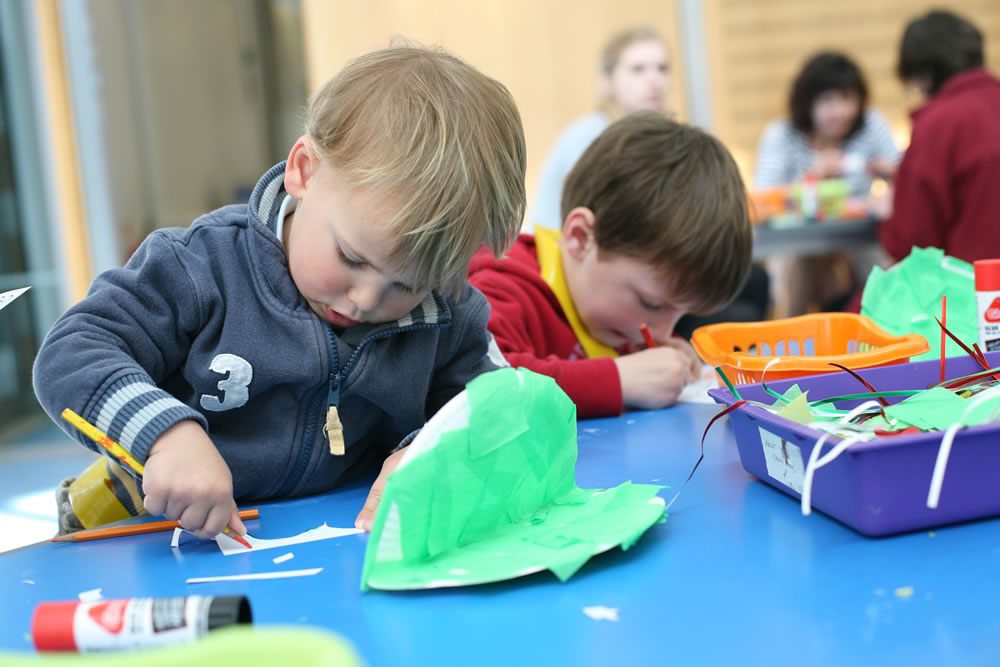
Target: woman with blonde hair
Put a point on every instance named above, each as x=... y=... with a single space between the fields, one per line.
x=634 y=75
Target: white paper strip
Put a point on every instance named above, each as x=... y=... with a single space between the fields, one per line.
x=229 y=546
x=282 y=559
x=7 y=297
x=175 y=541
x=602 y=613
x=92 y=595
x=284 y=574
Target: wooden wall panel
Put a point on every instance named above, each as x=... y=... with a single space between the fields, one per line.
x=544 y=52
x=756 y=47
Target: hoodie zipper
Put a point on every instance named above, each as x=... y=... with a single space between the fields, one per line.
x=333 y=393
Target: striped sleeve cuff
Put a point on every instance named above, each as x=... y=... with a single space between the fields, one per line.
x=134 y=413
x=405 y=441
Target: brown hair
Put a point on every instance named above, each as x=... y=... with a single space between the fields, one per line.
x=671 y=195
x=437 y=137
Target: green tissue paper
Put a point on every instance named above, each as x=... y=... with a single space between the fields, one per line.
x=487 y=492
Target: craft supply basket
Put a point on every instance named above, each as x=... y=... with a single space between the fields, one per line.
x=806 y=344
x=878 y=487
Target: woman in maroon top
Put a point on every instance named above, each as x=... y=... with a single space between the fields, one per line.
x=947 y=188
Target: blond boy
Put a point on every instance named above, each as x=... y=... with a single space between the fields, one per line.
x=276 y=348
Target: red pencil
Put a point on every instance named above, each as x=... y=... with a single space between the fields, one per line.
x=944 y=321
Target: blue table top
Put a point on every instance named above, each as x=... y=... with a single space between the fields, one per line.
x=735 y=576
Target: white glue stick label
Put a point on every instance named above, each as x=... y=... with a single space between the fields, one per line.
x=114 y=625
x=783 y=459
x=988 y=309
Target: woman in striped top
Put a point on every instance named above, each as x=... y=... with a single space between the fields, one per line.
x=831 y=133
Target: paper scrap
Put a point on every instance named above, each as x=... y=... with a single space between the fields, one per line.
x=229 y=546
x=697 y=391
x=27 y=581
x=175 y=541
x=601 y=613
x=283 y=558
x=798 y=410
x=92 y=595
x=7 y=297
x=284 y=574
x=939 y=408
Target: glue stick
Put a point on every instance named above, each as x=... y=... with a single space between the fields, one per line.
x=121 y=625
x=988 y=303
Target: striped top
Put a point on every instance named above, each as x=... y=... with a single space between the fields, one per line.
x=784 y=154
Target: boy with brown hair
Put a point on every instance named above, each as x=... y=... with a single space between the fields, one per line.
x=276 y=348
x=655 y=225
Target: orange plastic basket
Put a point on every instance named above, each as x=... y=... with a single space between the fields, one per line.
x=806 y=345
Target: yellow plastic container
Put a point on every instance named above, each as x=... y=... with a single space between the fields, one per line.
x=806 y=345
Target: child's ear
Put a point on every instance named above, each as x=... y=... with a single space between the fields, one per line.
x=578 y=232
x=300 y=168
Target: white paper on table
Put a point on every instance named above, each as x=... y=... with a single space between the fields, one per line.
x=7 y=297
x=92 y=595
x=175 y=541
x=697 y=391
x=229 y=546
x=284 y=574
x=283 y=558
x=602 y=613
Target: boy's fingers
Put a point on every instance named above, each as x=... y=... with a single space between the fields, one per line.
x=367 y=515
x=194 y=518
x=214 y=522
x=236 y=523
x=155 y=505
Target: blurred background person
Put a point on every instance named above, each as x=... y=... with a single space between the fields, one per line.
x=947 y=188
x=830 y=133
x=634 y=76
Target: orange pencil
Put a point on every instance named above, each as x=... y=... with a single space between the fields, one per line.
x=650 y=342
x=125 y=457
x=136 y=529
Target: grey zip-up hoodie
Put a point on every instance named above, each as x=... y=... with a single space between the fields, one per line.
x=205 y=323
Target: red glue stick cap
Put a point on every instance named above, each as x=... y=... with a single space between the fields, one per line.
x=52 y=626
x=987 y=275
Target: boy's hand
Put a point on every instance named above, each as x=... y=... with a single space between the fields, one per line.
x=186 y=479
x=367 y=516
x=653 y=378
x=684 y=346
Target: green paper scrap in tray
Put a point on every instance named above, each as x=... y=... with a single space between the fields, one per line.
x=934 y=409
x=939 y=408
x=487 y=492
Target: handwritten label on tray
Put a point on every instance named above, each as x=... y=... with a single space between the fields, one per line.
x=784 y=460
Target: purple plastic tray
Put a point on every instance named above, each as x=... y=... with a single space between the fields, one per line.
x=878 y=487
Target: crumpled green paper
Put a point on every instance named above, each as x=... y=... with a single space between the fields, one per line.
x=939 y=408
x=906 y=299
x=487 y=492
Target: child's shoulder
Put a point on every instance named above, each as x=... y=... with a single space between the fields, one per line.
x=522 y=256
x=208 y=228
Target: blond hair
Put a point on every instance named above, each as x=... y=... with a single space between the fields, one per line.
x=671 y=196
x=439 y=139
x=615 y=46
x=612 y=53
